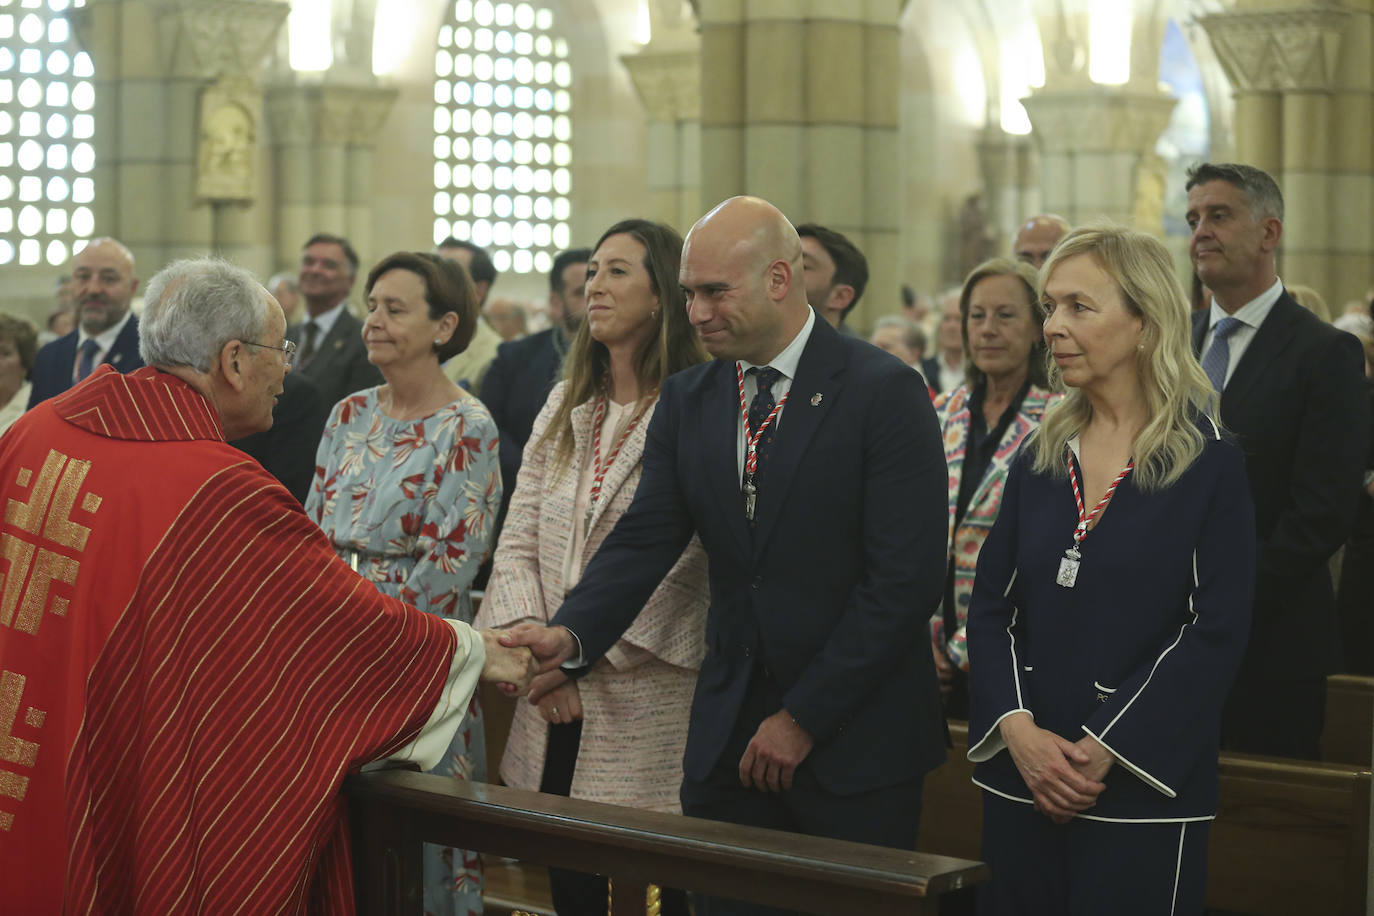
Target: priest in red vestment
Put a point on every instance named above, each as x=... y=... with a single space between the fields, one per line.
x=187 y=670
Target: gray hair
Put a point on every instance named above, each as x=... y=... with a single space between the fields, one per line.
x=1261 y=191
x=193 y=307
x=912 y=335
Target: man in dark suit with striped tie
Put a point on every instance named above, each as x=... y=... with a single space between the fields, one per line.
x=330 y=339
x=810 y=465
x=1292 y=391
x=103 y=285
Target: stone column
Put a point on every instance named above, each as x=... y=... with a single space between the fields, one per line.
x=1011 y=189
x=1097 y=155
x=1304 y=83
x=153 y=62
x=324 y=136
x=799 y=106
x=668 y=81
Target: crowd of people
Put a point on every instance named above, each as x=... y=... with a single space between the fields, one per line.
x=1087 y=512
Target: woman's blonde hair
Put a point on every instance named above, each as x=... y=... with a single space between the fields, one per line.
x=1176 y=390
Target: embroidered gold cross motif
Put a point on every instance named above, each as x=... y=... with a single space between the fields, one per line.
x=28 y=569
x=15 y=751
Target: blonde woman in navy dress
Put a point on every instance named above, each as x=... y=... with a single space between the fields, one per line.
x=1111 y=606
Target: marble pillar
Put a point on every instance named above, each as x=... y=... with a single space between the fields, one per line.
x=1097 y=152
x=153 y=62
x=1303 y=77
x=323 y=139
x=799 y=106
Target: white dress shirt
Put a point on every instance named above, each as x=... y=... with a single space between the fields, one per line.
x=1251 y=316
x=786 y=363
x=103 y=341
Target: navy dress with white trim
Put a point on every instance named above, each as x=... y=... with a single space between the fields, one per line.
x=1140 y=653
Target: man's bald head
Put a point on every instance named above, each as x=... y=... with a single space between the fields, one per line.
x=750 y=228
x=1037 y=237
x=103 y=284
x=742 y=272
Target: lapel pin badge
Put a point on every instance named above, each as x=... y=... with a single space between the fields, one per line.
x=816 y=399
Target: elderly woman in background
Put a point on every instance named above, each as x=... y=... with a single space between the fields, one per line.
x=617 y=735
x=1112 y=605
x=18 y=345
x=984 y=421
x=407 y=486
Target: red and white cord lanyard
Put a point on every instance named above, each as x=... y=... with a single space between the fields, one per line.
x=598 y=470
x=751 y=442
x=1068 y=565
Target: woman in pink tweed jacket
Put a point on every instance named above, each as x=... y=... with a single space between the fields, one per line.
x=574 y=485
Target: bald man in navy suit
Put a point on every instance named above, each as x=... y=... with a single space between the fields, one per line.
x=814 y=711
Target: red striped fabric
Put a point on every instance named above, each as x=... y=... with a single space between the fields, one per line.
x=217 y=672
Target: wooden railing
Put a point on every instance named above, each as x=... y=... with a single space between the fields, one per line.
x=394 y=812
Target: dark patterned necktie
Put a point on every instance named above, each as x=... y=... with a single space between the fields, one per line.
x=312 y=331
x=759 y=409
x=87 y=363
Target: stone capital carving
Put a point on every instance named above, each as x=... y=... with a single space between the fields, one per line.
x=1098 y=119
x=337 y=115
x=1279 y=49
x=668 y=82
x=208 y=39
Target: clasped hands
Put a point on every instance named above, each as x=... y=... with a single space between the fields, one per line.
x=1065 y=777
x=768 y=763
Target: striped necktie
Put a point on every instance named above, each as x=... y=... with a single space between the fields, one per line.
x=1218 y=355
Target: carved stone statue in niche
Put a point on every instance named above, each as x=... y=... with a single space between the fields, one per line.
x=974 y=244
x=226 y=158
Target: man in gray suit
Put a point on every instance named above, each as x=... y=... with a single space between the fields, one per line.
x=330 y=340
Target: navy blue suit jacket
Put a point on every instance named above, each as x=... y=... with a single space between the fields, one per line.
x=515 y=388
x=56 y=361
x=833 y=590
x=1140 y=653
x=1296 y=403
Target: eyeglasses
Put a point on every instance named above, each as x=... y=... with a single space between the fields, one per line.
x=289 y=349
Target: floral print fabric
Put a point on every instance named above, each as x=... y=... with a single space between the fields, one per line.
x=411 y=504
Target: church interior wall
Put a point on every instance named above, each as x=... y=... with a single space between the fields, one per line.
x=954 y=86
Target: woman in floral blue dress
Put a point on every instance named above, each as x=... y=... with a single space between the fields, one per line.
x=407 y=484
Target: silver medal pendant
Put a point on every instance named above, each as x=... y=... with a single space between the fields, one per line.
x=750 y=494
x=1068 y=568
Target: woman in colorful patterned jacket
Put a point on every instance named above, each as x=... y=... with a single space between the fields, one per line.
x=984 y=422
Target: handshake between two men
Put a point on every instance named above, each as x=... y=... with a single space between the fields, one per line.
x=769 y=762
x=512 y=668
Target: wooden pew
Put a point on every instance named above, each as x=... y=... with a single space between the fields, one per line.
x=1349 y=719
x=1290 y=836
x=395 y=812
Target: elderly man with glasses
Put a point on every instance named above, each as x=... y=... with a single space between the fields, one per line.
x=187 y=670
x=287 y=449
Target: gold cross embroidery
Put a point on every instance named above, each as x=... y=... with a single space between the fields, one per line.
x=27 y=570
x=13 y=750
